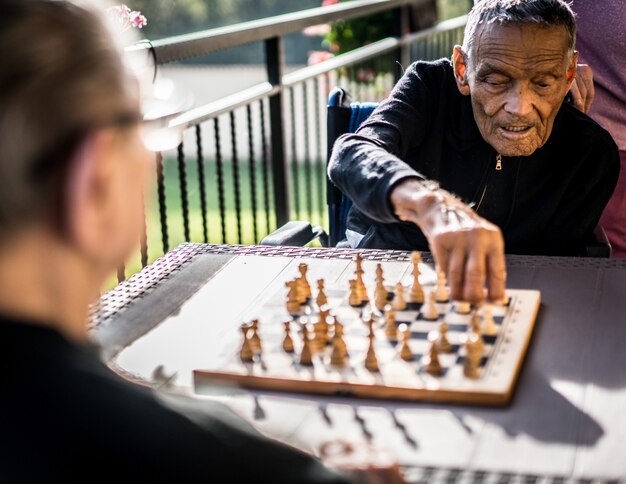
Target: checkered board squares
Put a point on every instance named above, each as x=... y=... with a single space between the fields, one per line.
x=397 y=379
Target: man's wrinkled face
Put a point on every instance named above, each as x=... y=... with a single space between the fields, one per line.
x=517 y=77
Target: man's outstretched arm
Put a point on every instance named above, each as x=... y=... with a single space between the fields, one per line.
x=468 y=248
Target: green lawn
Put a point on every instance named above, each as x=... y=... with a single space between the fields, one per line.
x=176 y=236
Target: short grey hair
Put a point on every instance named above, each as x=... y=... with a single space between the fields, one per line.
x=62 y=72
x=550 y=13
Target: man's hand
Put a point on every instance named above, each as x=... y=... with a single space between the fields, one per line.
x=582 y=89
x=468 y=248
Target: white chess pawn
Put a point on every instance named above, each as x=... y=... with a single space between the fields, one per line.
x=462 y=307
x=442 y=294
x=398 y=303
x=489 y=324
x=430 y=311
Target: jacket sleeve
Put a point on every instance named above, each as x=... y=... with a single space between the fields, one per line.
x=366 y=165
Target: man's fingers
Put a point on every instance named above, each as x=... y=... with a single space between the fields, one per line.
x=584 y=80
x=576 y=96
x=496 y=275
x=475 y=273
x=441 y=253
x=456 y=272
x=591 y=93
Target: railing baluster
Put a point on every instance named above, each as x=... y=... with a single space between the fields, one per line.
x=307 y=150
x=143 y=235
x=121 y=273
x=236 y=184
x=219 y=168
x=294 y=154
x=265 y=169
x=274 y=58
x=252 y=173
x=162 y=206
x=320 y=163
x=201 y=182
x=184 y=198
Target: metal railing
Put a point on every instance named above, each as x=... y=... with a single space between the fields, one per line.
x=280 y=174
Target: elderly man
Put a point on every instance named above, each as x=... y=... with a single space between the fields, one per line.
x=490 y=127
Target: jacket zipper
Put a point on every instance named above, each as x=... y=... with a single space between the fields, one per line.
x=482 y=195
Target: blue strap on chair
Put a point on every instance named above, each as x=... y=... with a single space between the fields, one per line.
x=343 y=117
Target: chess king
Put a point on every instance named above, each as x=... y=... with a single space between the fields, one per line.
x=490 y=126
x=72 y=173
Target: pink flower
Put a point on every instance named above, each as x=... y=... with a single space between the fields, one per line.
x=127 y=18
x=326 y=3
x=317 y=56
x=137 y=20
x=316 y=30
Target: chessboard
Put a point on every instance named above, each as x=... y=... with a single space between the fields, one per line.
x=377 y=335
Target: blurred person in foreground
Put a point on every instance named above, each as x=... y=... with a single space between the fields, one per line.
x=476 y=152
x=72 y=169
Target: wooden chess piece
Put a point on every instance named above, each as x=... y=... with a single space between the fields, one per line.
x=304 y=283
x=306 y=356
x=338 y=341
x=321 y=299
x=475 y=322
x=319 y=338
x=361 y=290
x=442 y=294
x=398 y=303
x=246 y=354
x=462 y=307
x=430 y=311
x=431 y=360
x=293 y=301
x=371 y=361
x=405 y=350
x=324 y=313
x=380 y=293
x=443 y=342
x=354 y=299
x=416 y=295
x=473 y=354
x=255 y=339
x=339 y=353
x=489 y=324
x=391 y=329
x=287 y=340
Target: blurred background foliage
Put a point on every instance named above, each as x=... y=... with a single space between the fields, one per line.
x=175 y=17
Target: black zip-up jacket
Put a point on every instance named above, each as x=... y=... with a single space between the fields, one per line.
x=545 y=203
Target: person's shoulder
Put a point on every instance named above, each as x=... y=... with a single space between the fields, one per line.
x=440 y=68
x=580 y=128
